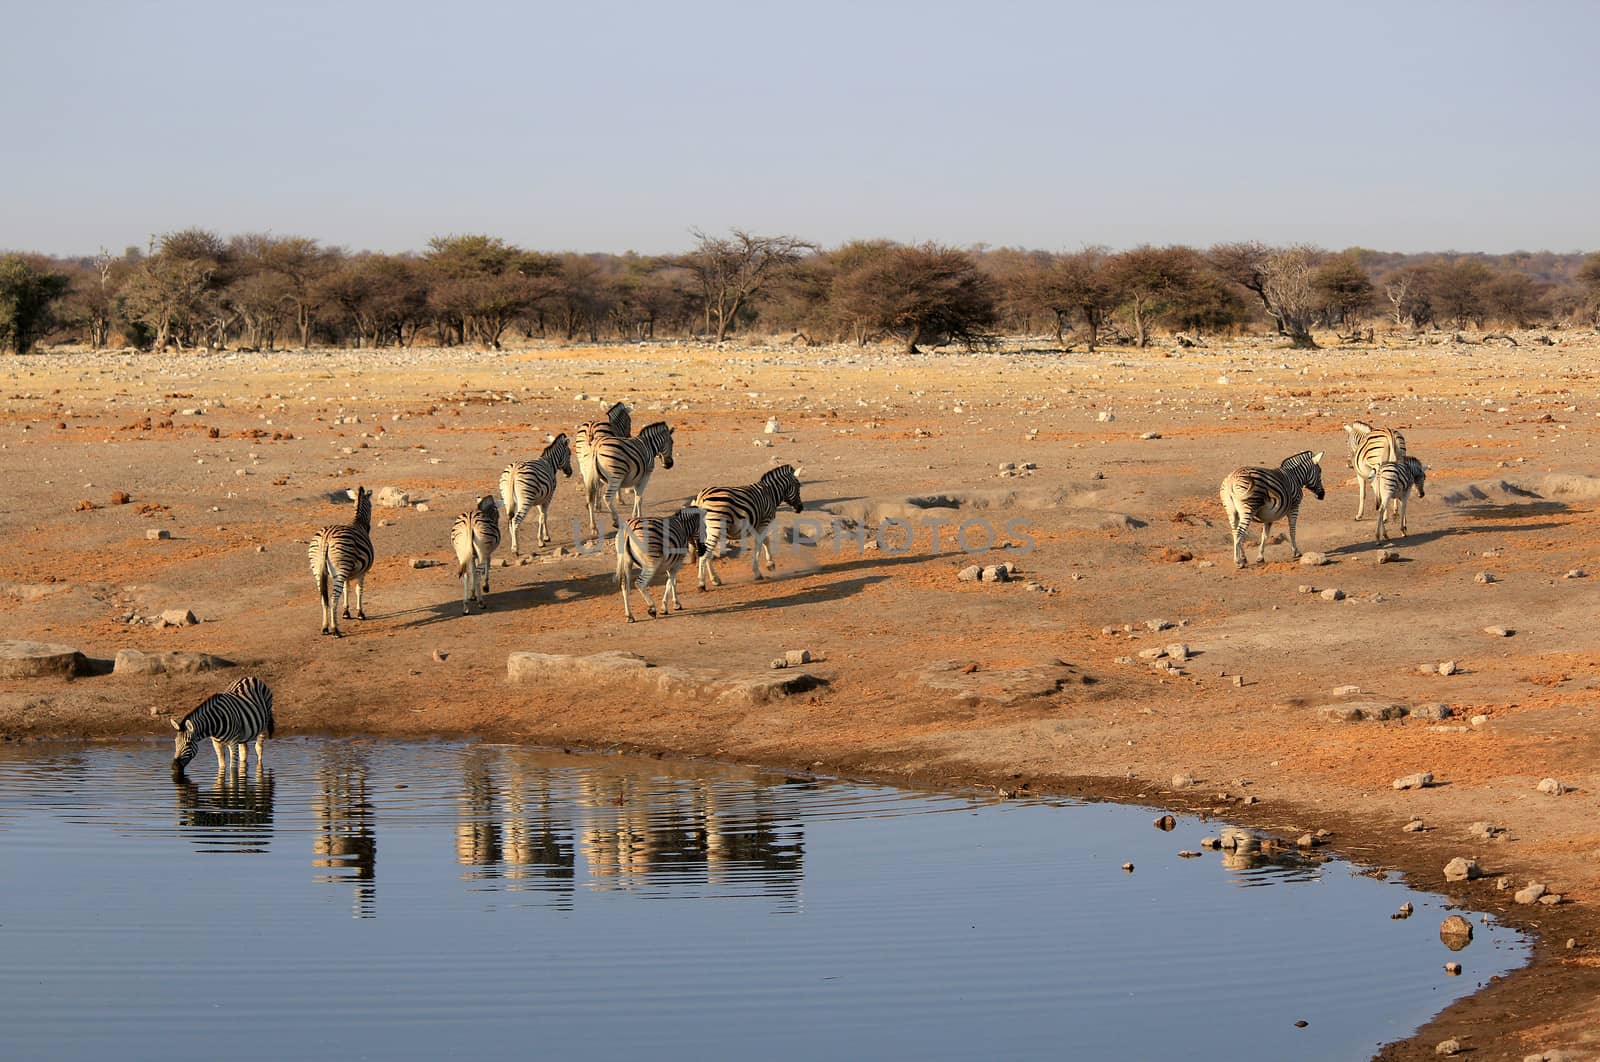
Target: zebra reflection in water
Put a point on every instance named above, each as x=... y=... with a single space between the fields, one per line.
x=345 y=841
x=234 y=815
x=514 y=834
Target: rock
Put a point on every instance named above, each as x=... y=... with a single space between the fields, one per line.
x=1484 y=577
x=1486 y=831
x=1182 y=781
x=1186 y=854
x=1211 y=842
x=1345 y=690
x=1499 y=632
x=1405 y=911
x=1238 y=680
x=1575 y=573
x=1385 y=556
x=1306 y=840
x=425 y=562
x=1414 y=826
x=1451 y=1046
x=1166 y=823
x=796 y=657
x=779 y=664
x=1238 y=840
x=1155 y=652
x=1305 y=588
x=1530 y=893
x=1150 y=435
x=421 y=507
x=178 y=617
x=21 y=659
x=1478 y=720
x=997 y=573
x=1313 y=559
x=1551 y=787
x=1159 y=625
x=391 y=498
x=1432 y=712
x=157 y=534
x=772 y=426
x=1549 y=899
x=1106 y=417
x=1420 y=780
x=1448 y=668
x=1462 y=869
x=1128 y=867
x=970 y=574
x=440 y=656
x=1177 y=651
x=1332 y=594
x=1454 y=970
x=134 y=662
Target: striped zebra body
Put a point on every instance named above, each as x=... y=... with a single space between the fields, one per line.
x=1391 y=486
x=529 y=485
x=232 y=719
x=745 y=514
x=475 y=536
x=618 y=424
x=1269 y=495
x=341 y=554
x=1369 y=448
x=648 y=547
x=623 y=463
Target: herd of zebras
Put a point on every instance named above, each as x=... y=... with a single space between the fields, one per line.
x=611 y=459
x=1377 y=456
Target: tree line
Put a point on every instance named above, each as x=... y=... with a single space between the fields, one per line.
x=196 y=289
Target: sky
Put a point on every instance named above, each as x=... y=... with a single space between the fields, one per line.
x=1403 y=125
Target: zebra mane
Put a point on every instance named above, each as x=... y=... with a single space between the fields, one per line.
x=777 y=475
x=619 y=419
x=1297 y=461
x=558 y=446
x=657 y=433
x=364 y=507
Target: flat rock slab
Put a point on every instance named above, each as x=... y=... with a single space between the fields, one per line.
x=971 y=684
x=1363 y=711
x=134 y=662
x=36 y=659
x=617 y=667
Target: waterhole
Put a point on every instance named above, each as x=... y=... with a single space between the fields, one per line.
x=395 y=900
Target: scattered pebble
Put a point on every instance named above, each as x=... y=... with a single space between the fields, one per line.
x=1448 y=668
x=1182 y=781
x=1420 y=780
x=1552 y=787
x=796 y=657
x=1313 y=559
x=1462 y=869
x=1385 y=556
x=1332 y=594
x=156 y=534
x=1405 y=911
x=1451 y=1046
x=1499 y=632
x=1186 y=854
x=1414 y=826
x=1166 y=823
x=1530 y=893
x=1484 y=577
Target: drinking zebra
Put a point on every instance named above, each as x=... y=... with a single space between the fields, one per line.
x=1391 y=486
x=341 y=554
x=474 y=537
x=1369 y=448
x=1269 y=495
x=529 y=485
x=651 y=546
x=745 y=514
x=618 y=423
x=623 y=463
x=233 y=718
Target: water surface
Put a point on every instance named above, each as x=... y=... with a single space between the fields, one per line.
x=395 y=900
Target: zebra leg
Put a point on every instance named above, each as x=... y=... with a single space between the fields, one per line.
x=1240 y=530
x=647 y=575
x=259 y=739
x=1361 y=495
x=515 y=522
x=1294 y=546
x=544 y=529
x=1379 y=509
x=1403 y=500
x=623 y=582
x=344 y=595
x=222 y=763
x=361 y=586
x=468 y=576
x=1261 y=554
x=669 y=600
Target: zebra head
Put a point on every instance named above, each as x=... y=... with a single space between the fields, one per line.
x=185 y=745
x=1419 y=472
x=621 y=423
x=785 y=486
x=487 y=506
x=692 y=522
x=659 y=438
x=1355 y=435
x=1305 y=468
x=559 y=454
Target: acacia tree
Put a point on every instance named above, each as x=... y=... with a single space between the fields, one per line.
x=29 y=290
x=924 y=293
x=733 y=270
x=1515 y=298
x=168 y=288
x=1080 y=285
x=1343 y=290
x=92 y=302
x=1460 y=290
x=1588 y=278
x=1283 y=279
x=1406 y=290
x=1152 y=282
x=478 y=290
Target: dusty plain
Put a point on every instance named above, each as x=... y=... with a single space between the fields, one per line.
x=239 y=456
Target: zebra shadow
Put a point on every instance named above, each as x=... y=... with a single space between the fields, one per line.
x=808 y=595
x=1419 y=538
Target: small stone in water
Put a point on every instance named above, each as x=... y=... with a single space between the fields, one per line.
x=1166 y=822
x=1454 y=970
x=1128 y=867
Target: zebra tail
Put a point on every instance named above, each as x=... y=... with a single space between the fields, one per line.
x=324 y=575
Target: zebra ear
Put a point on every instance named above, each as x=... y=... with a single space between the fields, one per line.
x=1316 y=458
x=175 y=724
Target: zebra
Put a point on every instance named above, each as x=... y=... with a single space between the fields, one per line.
x=1369 y=448
x=623 y=463
x=474 y=537
x=651 y=546
x=1269 y=495
x=619 y=424
x=528 y=485
x=341 y=554
x=233 y=718
x=1391 y=486
x=745 y=513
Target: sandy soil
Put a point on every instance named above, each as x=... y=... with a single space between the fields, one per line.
x=238 y=457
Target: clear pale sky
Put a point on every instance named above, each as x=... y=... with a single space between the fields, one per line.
x=609 y=126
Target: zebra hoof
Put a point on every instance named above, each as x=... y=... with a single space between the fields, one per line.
x=359 y=615
x=650 y=612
